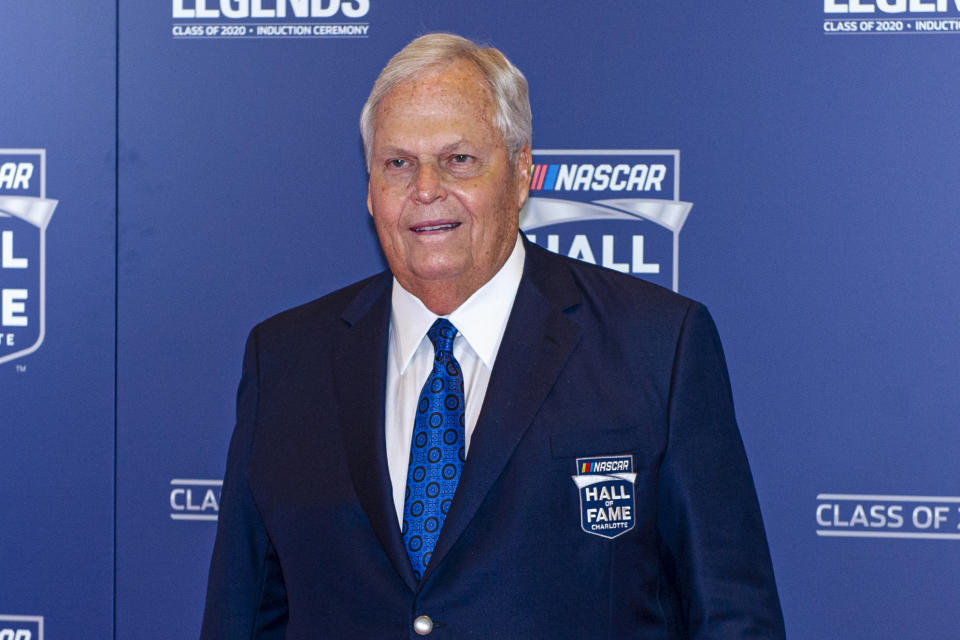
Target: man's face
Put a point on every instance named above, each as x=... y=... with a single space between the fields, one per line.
x=443 y=192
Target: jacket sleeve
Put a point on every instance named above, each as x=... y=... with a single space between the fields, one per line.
x=713 y=548
x=245 y=592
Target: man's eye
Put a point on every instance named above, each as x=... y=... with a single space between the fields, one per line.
x=396 y=163
x=461 y=158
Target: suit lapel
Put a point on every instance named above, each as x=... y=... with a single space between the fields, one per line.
x=360 y=372
x=537 y=341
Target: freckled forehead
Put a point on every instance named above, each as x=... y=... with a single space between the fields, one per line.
x=459 y=87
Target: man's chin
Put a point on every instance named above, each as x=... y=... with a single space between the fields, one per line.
x=434 y=275
x=451 y=262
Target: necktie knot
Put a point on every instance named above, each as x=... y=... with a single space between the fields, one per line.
x=441 y=334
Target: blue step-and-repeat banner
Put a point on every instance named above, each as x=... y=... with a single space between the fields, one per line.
x=173 y=171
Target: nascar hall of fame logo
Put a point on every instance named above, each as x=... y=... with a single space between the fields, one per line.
x=192 y=499
x=276 y=19
x=21 y=627
x=849 y=17
x=25 y=212
x=617 y=208
x=606 y=494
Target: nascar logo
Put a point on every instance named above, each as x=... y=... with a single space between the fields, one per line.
x=616 y=208
x=602 y=177
x=605 y=466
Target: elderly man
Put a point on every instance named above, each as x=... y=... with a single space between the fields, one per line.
x=488 y=440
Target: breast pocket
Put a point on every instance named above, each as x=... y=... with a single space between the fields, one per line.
x=597 y=442
x=603 y=466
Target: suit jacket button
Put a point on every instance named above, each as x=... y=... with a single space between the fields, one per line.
x=423 y=625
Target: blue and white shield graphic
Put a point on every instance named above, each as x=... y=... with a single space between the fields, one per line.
x=24 y=215
x=617 y=208
x=606 y=491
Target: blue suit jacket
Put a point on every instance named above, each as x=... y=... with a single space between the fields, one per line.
x=592 y=363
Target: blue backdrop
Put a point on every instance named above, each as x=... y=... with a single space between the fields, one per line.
x=208 y=171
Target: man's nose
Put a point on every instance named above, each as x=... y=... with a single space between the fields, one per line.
x=428 y=184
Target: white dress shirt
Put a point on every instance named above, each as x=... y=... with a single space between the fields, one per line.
x=480 y=322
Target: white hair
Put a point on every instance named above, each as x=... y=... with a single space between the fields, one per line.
x=508 y=87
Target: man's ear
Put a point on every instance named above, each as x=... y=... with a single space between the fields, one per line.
x=369 y=199
x=523 y=162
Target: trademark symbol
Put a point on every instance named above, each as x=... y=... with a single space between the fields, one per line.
x=21 y=368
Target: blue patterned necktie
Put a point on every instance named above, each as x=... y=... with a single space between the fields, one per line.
x=436 y=451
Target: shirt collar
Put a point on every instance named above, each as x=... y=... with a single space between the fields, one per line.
x=481 y=319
